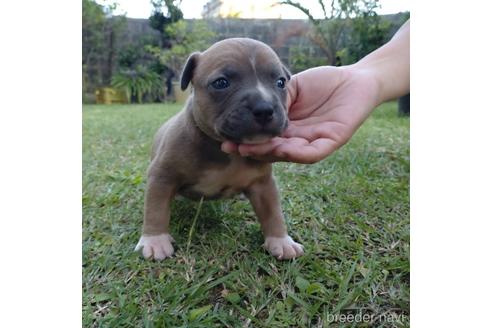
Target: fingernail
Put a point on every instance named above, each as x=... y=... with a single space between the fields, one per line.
x=224 y=149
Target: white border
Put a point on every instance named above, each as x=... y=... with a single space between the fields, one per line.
x=451 y=164
x=40 y=135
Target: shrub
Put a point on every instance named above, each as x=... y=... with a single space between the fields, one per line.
x=185 y=38
x=137 y=82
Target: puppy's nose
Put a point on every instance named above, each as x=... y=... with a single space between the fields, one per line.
x=263 y=112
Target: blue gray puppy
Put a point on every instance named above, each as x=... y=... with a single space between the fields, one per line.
x=239 y=94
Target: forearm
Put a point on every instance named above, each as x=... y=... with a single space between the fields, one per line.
x=390 y=65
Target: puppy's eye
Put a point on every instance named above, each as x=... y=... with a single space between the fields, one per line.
x=281 y=83
x=220 y=83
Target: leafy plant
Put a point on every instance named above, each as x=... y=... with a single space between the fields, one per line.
x=137 y=83
x=186 y=38
x=165 y=13
x=302 y=58
x=100 y=29
x=128 y=56
x=330 y=32
x=368 y=32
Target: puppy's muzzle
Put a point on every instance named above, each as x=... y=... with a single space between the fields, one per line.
x=256 y=122
x=262 y=112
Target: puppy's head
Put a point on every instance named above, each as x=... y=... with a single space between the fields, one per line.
x=239 y=90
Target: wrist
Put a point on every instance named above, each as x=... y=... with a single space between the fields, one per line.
x=389 y=66
x=371 y=79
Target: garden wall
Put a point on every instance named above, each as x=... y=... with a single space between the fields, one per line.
x=283 y=36
x=279 y=34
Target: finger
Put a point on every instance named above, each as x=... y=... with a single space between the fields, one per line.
x=229 y=147
x=328 y=130
x=259 y=149
x=311 y=119
x=305 y=152
x=291 y=92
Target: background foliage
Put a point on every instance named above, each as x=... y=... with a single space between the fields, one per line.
x=137 y=83
x=184 y=39
x=100 y=29
x=347 y=31
x=143 y=68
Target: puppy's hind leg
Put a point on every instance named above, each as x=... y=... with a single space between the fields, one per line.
x=156 y=242
x=264 y=197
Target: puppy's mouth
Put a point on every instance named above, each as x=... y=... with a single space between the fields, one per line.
x=230 y=138
x=239 y=135
x=245 y=140
x=255 y=139
x=258 y=139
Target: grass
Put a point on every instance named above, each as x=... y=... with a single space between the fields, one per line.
x=351 y=212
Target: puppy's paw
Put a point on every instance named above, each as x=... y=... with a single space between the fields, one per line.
x=158 y=247
x=283 y=248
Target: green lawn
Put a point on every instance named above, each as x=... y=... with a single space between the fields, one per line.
x=351 y=212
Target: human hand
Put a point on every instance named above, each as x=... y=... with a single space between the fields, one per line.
x=326 y=106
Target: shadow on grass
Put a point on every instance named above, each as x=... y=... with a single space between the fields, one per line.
x=219 y=222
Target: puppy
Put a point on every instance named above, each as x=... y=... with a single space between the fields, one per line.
x=239 y=94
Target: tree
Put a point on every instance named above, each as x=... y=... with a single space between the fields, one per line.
x=184 y=39
x=99 y=30
x=331 y=32
x=92 y=38
x=367 y=33
x=165 y=13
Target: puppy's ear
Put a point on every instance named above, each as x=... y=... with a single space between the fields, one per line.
x=286 y=72
x=188 y=70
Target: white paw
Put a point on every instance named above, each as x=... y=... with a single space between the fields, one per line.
x=283 y=248
x=159 y=247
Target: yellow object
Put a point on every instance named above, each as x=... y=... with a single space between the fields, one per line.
x=110 y=96
x=179 y=95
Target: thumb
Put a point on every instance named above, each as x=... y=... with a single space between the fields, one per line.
x=291 y=92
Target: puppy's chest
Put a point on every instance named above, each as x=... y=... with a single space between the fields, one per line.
x=223 y=182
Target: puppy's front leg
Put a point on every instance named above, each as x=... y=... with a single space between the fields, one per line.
x=264 y=197
x=155 y=240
